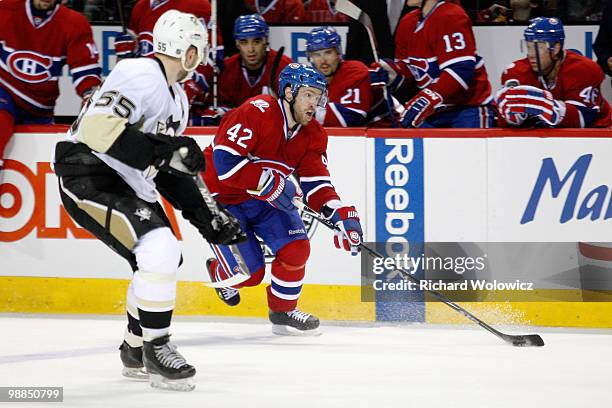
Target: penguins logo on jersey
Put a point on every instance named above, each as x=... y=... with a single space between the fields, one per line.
x=169 y=128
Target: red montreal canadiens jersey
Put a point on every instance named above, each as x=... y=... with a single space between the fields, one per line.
x=350 y=95
x=255 y=137
x=32 y=55
x=323 y=11
x=279 y=11
x=434 y=52
x=578 y=85
x=146 y=12
x=234 y=84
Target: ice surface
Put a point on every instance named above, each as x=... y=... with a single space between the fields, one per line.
x=241 y=364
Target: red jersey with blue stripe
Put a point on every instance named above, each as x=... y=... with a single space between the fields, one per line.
x=438 y=51
x=236 y=85
x=350 y=95
x=34 y=50
x=577 y=84
x=254 y=138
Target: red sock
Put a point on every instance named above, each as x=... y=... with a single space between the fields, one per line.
x=7 y=125
x=288 y=271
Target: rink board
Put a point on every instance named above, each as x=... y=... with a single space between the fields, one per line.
x=461 y=185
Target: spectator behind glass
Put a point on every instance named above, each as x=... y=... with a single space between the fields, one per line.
x=43 y=36
x=603 y=42
x=575 y=11
x=323 y=11
x=508 y=12
x=552 y=87
x=279 y=11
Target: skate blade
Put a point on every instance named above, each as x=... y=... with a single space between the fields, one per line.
x=283 y=330
x=184 y=384
x=139 y=374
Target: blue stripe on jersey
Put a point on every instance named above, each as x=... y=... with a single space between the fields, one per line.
x=225 y=162
x=465 y=70
x=588 y=114
x=285 y=290
x=97 y=71
x=308 y=186
x=351 y=118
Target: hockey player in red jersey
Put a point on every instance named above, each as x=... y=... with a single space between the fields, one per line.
x=323 y=11
x=552 y=87
x=350 y=93
x=279 y=11
x=37 y=38
x=436 y=51
x=248 y=73
x=257 y=147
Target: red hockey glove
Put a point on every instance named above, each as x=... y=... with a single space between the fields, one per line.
x=279 y=192
x=515 y=119
x=421 y=106
x=347 y=219
x=385 y=72
x=195 y=88
x=126 y=45
x=530 y=101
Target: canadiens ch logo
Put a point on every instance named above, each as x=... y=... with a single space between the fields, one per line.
x=423 y=71
x=145 y=44
x=29 y=66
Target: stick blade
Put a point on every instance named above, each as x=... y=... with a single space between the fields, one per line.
x=348 y=8
x=527 y=340
x=226 y=283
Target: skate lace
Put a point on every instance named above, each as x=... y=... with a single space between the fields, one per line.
x=169 y=357
x=228 y=293
x=298 y=315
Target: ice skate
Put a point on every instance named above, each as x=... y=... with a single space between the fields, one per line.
x=131 y=357
x=229 y=296
x=294 y=323
x=167 y=368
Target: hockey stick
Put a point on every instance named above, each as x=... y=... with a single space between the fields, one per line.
x=121 y=16
x=526 y=340
x=240 y=275
x=220 y=217
x=354 y=12
x=275 y=64
x=213 y=33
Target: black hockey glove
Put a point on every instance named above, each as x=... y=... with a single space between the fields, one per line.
x=222 y=229
x=178 y=155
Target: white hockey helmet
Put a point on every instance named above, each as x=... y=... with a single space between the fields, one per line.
x=175 y=31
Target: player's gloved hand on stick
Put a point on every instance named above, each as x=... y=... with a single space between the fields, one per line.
x=278 y=191
x=126 y=45
x=222 y=229
x=420 y=107
x=385 y=72
x=347 y=220
x=532 y=102
x=178 y=155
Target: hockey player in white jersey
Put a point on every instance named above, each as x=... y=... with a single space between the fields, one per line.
x=124 y=148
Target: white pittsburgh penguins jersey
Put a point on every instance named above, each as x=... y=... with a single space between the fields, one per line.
x=136 y=93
